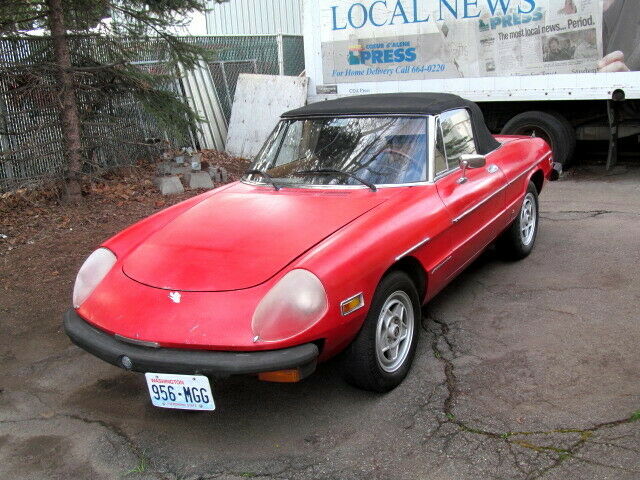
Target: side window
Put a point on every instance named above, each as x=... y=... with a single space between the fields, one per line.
x=440 y=158
x=457 y=135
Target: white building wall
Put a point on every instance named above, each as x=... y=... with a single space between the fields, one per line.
x=255 y=17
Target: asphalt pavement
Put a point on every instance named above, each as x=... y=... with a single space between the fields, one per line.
x=524 y=370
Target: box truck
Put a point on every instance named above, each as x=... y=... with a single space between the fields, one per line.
x=559 y=69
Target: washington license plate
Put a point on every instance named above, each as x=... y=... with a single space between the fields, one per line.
x=186 y=392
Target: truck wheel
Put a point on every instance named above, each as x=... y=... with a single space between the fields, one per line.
x=543 y=125
x=570 y=138
x=380 y=356
x=516 y=242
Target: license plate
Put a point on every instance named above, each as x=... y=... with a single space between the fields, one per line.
x=186 y=392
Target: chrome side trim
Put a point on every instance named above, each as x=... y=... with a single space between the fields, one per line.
x=134 y=341
x=416 y=246
x=479 y=204
x=473 y=257
x=348 y=300
x=441 y=264
x=508 y=184
x=513 y=180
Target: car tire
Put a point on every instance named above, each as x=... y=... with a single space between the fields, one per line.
x=379 y=358
x=546 y=126
x=517 y=241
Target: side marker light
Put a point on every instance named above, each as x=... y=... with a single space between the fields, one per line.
x=352 y=304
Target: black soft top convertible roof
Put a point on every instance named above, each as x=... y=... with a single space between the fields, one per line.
x=402 y=104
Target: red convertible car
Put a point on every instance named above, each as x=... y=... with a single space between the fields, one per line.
x=355 y=213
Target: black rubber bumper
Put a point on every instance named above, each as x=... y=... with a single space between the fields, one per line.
x=174 y=360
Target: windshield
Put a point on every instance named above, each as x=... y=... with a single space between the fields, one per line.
x=344 y=151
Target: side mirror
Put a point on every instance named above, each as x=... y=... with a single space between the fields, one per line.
x=473 y=160
x=470 y=160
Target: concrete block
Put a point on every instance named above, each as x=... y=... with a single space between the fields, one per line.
x=219 y=174
x=169 y=185
x=213 y=173
x=196 y=161
x=172 y=168
x=180 y=169
x=164 y=167
x=198 y=180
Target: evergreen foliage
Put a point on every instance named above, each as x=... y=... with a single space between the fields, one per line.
x=90 y=53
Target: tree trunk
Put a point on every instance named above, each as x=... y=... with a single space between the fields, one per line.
x=69 y=117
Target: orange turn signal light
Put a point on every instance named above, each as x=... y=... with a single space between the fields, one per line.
x=352 y=304
x=282 y=376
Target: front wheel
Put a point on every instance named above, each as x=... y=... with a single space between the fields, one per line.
x=380 y=356
x=517 y=241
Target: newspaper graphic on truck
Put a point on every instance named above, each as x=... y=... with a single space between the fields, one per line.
x=522 y=54
x=403 y=40
x=406 y=40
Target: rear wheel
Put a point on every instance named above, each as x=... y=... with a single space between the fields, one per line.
x=380 y=356
x=517 y=241
x=570 y=136
x=552 y=128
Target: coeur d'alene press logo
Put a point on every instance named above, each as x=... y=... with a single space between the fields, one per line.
x=376 y=53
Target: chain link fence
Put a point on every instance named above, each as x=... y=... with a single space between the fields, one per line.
x=30 y=137
x=263 y=54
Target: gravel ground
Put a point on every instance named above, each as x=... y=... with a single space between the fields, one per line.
x=524 y=370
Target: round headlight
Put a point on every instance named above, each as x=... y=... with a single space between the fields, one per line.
x=93 y=270
x=293 y=305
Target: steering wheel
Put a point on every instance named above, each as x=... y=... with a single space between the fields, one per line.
x=397 y=152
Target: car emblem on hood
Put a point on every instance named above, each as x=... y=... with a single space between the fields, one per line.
x=175 y=297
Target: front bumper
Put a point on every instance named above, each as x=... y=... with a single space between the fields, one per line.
x=174 y=360
x=556 y=171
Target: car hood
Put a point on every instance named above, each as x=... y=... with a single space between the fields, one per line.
x=242 y=236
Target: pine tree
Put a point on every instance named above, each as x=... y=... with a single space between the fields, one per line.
x=89 y=59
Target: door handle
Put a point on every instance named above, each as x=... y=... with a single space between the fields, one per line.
x=492 y=168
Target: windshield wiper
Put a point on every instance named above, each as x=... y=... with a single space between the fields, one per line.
x=341 y=172
x=265 y=175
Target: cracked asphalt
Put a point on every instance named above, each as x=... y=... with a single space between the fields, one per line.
x=524 y=370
